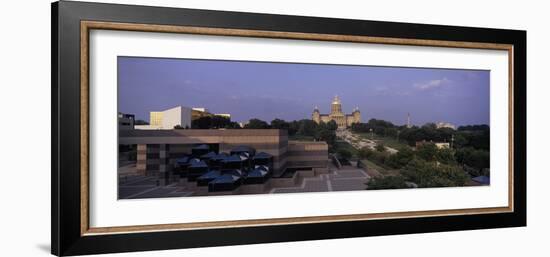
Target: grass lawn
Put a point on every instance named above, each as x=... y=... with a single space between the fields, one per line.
x=388 y=141
x=373 y=169
x=381 y=170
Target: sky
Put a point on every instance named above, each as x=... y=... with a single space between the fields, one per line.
x=290 y=91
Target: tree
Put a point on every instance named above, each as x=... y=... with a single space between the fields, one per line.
x=380 y=147
x=378 y=157
x=391 y=132
x=233 y=125
x=388 y=182
x=331 y=125
x=256 y=124
x=432 y=174
x=401 y=158
x=481 y=127
x=293 y=127
x=213 y=122
x=427 y=151
x=460 y=141
x=474 y=158
x=326 y=135
x=202 y=123
x=141 y=122
x=446 y=156
x=279 y=124
x=365 y=153
x=307 y=128
x=344 y=154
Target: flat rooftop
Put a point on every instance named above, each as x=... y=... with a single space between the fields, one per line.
x=201 y=132
x=192 y=136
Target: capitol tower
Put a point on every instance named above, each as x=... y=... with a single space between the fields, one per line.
x=337 y=115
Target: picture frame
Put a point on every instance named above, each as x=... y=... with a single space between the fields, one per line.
x=71 y=230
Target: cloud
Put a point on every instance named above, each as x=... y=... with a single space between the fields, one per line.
x=391 y=90
x=432 y=84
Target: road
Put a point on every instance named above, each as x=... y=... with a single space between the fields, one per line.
x=358 y=141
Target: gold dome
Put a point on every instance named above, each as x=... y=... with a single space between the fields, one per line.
x=336 y=100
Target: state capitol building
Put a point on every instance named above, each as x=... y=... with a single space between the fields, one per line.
x=336 y=114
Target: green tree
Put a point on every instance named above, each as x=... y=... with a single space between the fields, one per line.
x=380 y=147
x=446 y=156
x=477 y=160
x=307 y=128
x=427 y=151
x=326 y=135
x=279 y=124
x=256 y=124
x=211 y=122
x=344 y=154
x=141 y=122
x=233 y=125
x=401 y=158
x=202 y=123
x=391 y=132
x=365 y=153
x=388 y=182
x=432 y=174
x=331 y=125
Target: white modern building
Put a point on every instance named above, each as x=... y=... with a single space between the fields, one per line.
x=225 y=115
x=168 y=119
x=445 y=125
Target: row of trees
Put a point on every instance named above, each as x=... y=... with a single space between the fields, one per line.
x=476 y=136
x=214 y=122
x=304 y=128
x=426 y=152
x=428 y=166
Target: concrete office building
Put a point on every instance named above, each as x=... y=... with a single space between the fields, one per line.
x=126 y=121
x=157 y=150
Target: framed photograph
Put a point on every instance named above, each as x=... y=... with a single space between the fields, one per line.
x=178 y=128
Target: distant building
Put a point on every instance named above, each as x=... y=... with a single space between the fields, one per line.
x=442 y=145
x=445 y=125
x=200 y=109
x=126 y=121
x=168 y=119
x=200 y=112
x=409 y=120
x=225 y=115
x=336 y=114
x=439 y=145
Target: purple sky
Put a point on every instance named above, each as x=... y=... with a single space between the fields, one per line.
x=290 y=91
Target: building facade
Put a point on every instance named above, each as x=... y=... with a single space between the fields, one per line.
x=157 y=150
x=336 y=114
